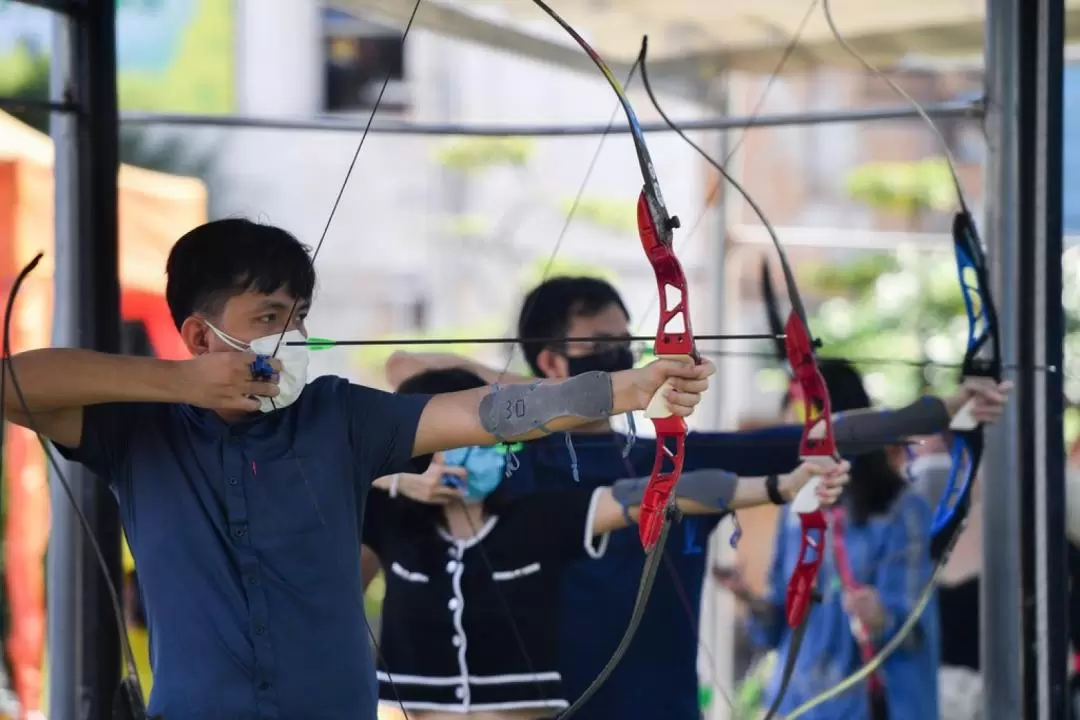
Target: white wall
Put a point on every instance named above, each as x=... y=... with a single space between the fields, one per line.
x=389 y=240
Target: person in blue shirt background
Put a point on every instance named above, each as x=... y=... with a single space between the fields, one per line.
x=887 y=536
x=240 y=495
x=657 y=677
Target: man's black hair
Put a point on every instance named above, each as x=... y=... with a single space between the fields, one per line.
x=436 y=382
x=550 y=308
x=224 y=258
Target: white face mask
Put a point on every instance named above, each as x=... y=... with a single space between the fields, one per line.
x=294 y=364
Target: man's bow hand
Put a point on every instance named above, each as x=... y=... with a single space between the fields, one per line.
x=682 y=381
x=834 y=477
x=224 y=381
x=989 y=398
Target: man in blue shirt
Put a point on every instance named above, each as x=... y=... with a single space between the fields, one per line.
x=657 y=677
x=240 y=493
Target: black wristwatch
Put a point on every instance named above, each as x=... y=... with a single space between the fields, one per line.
x=772 y=488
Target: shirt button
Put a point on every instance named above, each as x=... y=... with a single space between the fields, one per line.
x=451 y=566
x=240 y=531
x=460 y=693
x=453 y=604
x=259 y=629
x=233 y=481
x=264 y=685
x=456 y=642
x=252 y=580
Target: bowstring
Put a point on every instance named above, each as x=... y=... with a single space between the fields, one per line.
x=571 y=214
x=684 y=597
x=903 y=94
x=759 y=107
x=503 y=602
x=292 y=313
x=131 y=682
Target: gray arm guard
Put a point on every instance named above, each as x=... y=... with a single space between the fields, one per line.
x=712 y=488
x=511 y=411
x=863 y=431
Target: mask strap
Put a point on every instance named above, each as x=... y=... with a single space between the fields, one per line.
x=631 y=435
x=228 y=339
x=573 y=458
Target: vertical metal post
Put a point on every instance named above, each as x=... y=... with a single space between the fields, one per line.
x=1040 y=325
x=719 y=620
x=84 y=643
x=1001 y=654
x=65 y=536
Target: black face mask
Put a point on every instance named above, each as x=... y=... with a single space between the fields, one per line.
x=613 y=360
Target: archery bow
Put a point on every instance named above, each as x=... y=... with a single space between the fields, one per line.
x=818 y=441
x=982 y=358
x=836 y=519
x=674 y=340
x=128 y=703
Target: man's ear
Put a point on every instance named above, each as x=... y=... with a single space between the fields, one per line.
x=553 y=366
x=196 y=335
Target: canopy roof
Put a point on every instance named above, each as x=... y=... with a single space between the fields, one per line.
x=688 y=37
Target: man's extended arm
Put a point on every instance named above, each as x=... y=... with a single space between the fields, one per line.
x=711 y=492
x=57 y=383
x=509 y=413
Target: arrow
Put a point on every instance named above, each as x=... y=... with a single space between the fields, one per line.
x=317 y=343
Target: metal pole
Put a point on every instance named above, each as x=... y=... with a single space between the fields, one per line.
x=1000 y=650
x=951 y=109
x=64 y=568
x=719 y=619
x=84 y=642
x=1045 y=640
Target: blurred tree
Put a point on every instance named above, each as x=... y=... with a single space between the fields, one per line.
x=908 y=189
x=907 y=305
x=25 y=75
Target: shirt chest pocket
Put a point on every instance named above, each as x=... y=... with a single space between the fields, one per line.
x=297 y=495
x=303 y=520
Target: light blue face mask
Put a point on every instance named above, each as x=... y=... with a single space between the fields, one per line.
x=486 y=467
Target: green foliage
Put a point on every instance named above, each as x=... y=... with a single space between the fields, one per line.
x=200 y=78
x=546 y=268
x=905 y=306
x=26 y=75
x=615 y=215
x=467 y=225
x=474 y=154
x=904 y=188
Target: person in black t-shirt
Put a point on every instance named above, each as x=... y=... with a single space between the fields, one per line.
x=469 y=621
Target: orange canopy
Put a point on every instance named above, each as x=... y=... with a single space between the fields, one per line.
x=155 y=210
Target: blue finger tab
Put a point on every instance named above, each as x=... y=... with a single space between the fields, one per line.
x=452 y=481
x=261 y=369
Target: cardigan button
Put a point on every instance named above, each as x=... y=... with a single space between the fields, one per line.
x=460 y=693
x=453 y=604
x=451 y=566
x=456 y=642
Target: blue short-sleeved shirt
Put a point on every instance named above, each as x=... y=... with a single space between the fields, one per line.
x=246 y=537
x=657 y=677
